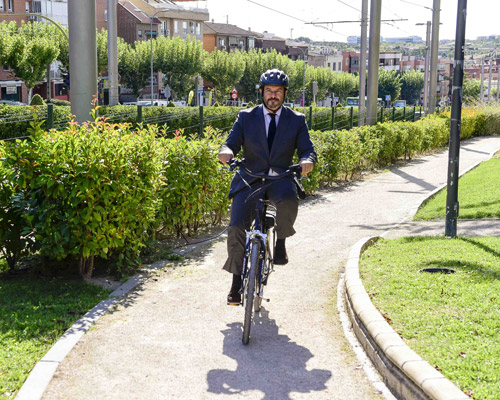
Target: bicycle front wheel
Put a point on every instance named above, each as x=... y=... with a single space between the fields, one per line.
x=250 y=290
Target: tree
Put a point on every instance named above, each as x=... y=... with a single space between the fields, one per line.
x=257 y=62
x=412 y=83
x=180 y=60
x=389 y=83
x=344 y=85
x=134 y=66
x=471 y=90
x=29 y=49
x=224 y=70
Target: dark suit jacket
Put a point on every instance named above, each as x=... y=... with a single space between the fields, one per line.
x=249 y=133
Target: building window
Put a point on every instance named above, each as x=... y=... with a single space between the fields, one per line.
x=176 y=26
x=340 y=65
x=37 y=7
x=242 y=44
x=164 y=28
x=198 y=29
x=11 y=5
x=139 y=34
x=251 y=43
x=2 y=8
x=105 y=15
x=191 y=27
x=334 y=66
x=184 y=28
x=27 y=6
x=222 y=43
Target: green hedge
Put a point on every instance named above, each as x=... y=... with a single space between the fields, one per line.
x=103 y=189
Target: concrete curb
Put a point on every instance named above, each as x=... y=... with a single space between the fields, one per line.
x=406 y=374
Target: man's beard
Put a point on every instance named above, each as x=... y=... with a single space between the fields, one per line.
x=275 y=107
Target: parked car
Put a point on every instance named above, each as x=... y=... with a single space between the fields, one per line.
x=12 y=103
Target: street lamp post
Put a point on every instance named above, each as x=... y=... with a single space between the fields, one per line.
x=151 y=17
x=303 y=75
x=426 y=64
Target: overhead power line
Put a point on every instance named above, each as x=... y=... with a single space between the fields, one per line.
x=293 y=17
x=418 y=5
x=357 y=21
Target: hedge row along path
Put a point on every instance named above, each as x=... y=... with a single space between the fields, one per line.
x=174 y=337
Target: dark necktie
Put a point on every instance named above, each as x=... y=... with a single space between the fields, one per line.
x=272 y=130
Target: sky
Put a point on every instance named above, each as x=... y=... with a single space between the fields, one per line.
x=482 y=17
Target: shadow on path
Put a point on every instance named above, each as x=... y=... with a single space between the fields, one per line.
x=271 y=363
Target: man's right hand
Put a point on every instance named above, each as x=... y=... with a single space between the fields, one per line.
x=224 y=158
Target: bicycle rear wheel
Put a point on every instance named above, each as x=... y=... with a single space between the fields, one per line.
x=250 y=290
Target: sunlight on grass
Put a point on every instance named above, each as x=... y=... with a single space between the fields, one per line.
x=451 y=320
x=34 y=313
x=478 y=195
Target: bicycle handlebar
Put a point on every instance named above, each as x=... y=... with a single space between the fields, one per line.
x=235 y=163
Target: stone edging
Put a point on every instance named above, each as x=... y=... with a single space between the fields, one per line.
x=406 y=374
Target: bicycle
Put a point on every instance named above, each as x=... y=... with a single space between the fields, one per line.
x=260 y=242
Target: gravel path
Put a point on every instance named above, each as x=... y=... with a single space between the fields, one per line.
x=174 y=337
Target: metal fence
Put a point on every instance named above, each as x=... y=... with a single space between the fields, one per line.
x=196 y=118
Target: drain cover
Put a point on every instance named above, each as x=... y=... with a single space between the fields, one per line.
x=438 y=270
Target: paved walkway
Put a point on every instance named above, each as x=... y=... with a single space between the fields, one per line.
x=174 y=337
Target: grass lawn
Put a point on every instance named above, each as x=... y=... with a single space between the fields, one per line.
x=478 y=195
x=451 y=320
x=34 y=313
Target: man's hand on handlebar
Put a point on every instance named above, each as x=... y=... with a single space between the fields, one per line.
x=224 y=158
x=307 y=166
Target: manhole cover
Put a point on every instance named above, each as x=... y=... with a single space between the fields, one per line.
x=438 y=270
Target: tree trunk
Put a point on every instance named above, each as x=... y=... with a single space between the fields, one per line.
x=86 y=267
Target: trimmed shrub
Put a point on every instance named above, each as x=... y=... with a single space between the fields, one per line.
x=91 y=190
x=59 y=102
x=37 y=100
x=196 y=190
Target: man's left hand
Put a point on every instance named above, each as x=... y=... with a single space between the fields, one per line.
x=307 y=166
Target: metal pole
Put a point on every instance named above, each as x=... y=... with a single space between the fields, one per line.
x=373 y=60
x=362 y=63
x=498 y=80
x=304 y=81
x=112 y=53
x=82 y=57
x=489 y=78
x=456 y=117
x=49 y=91
x=434 y=56
x=151 y=39
x=50 y=116
x=426 y=66
x=481 y=92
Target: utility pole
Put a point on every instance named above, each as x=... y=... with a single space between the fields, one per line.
x=489 y=77
x=362 y=63
x=481 y=92
x=82 y=57
x=434 y=55
x=373 y=60
x=426 y=66
x=498 y=78
x=456 y=118
x=112 y=53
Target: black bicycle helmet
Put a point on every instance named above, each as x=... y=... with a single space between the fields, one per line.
x=274 y=77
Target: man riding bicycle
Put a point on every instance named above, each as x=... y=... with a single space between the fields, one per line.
x=269 y=135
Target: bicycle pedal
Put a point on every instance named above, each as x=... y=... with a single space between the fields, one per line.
x=233 y=304
x=267 y=300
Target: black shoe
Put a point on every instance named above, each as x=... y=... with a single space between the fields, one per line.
x=234 y=296
x=280 y=257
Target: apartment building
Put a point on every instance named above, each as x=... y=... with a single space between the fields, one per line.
x=226 y=37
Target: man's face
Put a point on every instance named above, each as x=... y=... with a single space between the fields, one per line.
x=273 y=96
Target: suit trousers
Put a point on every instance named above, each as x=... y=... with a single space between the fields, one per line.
x=282 y=194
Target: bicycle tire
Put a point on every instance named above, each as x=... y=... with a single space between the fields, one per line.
x=250 y=290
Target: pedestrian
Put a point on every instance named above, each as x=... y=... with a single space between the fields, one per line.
x=269 y=135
